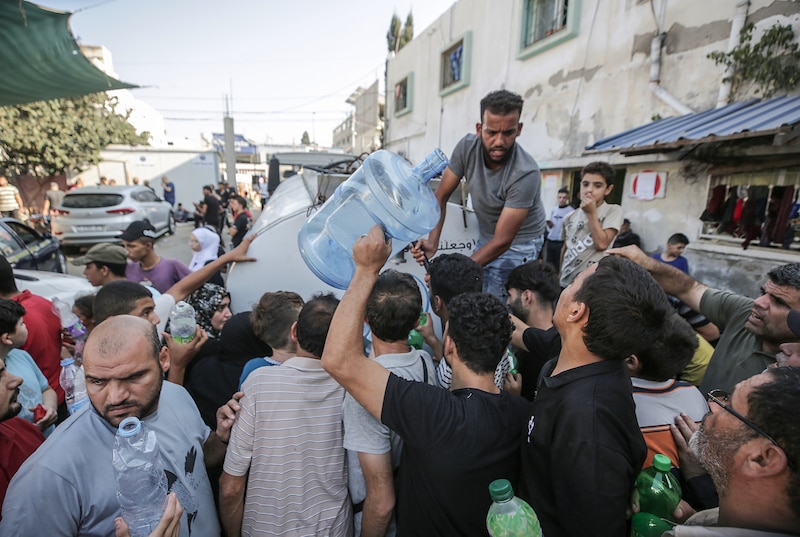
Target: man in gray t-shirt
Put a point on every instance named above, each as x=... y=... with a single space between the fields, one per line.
x=504 y=183
x=72 y=474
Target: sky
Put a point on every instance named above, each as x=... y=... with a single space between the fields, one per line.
x=281 y=67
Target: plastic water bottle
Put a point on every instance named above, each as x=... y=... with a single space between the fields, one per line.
x=69 y=321
x=182 y=322
x=658 y=494
x=415 y=339
x=141 y=481
x=385 y=190
x=508 y=515
x=73 y=383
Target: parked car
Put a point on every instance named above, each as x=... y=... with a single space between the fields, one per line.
x=50 y=285
x=95 y=214
x=27 y=248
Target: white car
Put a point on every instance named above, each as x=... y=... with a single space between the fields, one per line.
x=51 y=284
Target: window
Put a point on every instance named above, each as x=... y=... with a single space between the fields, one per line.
x=455 y=65
x=759 y=207
x=544 y=18
x=546 y=23
x=404 y=95
x=26 y=234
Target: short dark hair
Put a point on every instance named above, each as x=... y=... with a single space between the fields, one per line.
x=274 y=315
x=11 y=312
x=8 y=286
x=454 y=274
x=480 y=327
x=117 y=269
x=85 y=304
x=678 y=238
x=669 y=354
x=393 y=306
x=786 y=275
x=563 y=190
x=314 y=321
x=501 y=102
x=117 y=298
x=627 y=309
x=603 y=169
x=240 y=200
x=773 y=407
x=537 y=276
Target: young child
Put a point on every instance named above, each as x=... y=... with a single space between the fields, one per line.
x=590 y=230
x=676 y=244
x=34 y=390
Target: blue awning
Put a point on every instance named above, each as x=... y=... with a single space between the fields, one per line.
x=778 y=116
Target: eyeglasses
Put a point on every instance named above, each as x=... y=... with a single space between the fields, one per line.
x=722 y=398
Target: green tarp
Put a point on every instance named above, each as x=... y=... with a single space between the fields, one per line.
x=39 y=58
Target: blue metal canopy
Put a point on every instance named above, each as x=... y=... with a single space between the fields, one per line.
x=738 y=120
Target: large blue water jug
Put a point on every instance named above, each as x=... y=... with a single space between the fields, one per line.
x=385 y=190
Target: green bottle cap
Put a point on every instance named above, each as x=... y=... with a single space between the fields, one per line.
x=500 y=490
x=662 y=463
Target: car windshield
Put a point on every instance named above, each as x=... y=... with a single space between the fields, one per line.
x=91 y=201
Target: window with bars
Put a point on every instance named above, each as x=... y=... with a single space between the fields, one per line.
x=543 y=18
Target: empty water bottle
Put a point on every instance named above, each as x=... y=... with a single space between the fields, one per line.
x=385 y=190
x=182 y=322
x=73 y=383
x=508 y=515
x=69 y=321
x=141 y=481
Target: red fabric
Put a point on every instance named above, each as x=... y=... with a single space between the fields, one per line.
x=44 y=337
x=18 y=440
x=737 y=212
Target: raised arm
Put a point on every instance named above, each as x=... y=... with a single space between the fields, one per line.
x=195 y=280
x=343 y=356
x=507 y=228
x=673 y=281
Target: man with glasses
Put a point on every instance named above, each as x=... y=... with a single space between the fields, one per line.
x=752 y=329
x=750 y=444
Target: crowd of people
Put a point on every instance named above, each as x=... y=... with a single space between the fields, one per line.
x=284 y=421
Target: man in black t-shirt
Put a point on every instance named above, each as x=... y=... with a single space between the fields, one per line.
x=456 y=442
x=241 y=222
x=209 y=207
x=533 y=289
x=582 y=447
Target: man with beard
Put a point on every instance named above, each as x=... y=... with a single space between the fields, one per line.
x=752 y=330
x=505 y=185
x=750 y=443
x=72 y=474
x=18 y=438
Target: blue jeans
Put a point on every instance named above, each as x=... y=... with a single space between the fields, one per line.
x=495 y=274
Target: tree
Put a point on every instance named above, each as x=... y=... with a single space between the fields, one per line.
x=305 y=140
x=768 y=66
x=397 y=37
x=49 y=137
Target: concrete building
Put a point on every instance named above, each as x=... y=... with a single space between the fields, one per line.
x=589 y=71
x=362 y=131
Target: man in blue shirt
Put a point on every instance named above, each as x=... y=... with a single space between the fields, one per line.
x=169 y=190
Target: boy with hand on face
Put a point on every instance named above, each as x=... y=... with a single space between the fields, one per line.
x=590 y=230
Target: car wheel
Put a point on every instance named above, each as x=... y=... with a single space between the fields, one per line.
x=171 y=224
x=61 y=262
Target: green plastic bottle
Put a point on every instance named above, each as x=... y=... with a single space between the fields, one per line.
x=658 y=494
x=508 y=515
x=415 y=339
x=513 y=362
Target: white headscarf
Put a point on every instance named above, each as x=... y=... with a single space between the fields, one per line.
x=209 y=247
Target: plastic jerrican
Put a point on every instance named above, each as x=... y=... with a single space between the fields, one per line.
x=141 y=481
x=510 y=516
x=182 y=322
x=658 y=493
x=385 y=190
x=73 y=383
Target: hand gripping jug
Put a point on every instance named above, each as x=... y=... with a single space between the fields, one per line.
x=385 y=190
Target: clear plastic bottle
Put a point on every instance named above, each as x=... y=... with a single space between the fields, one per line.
x=69 y=321
x=385 y=190
x=73 y=382
x=141 y=481
x=182 y=322
x=658 y=493
x=508 y=515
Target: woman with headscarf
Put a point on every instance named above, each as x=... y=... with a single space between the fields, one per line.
x=212 y=309
x=205 y=242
